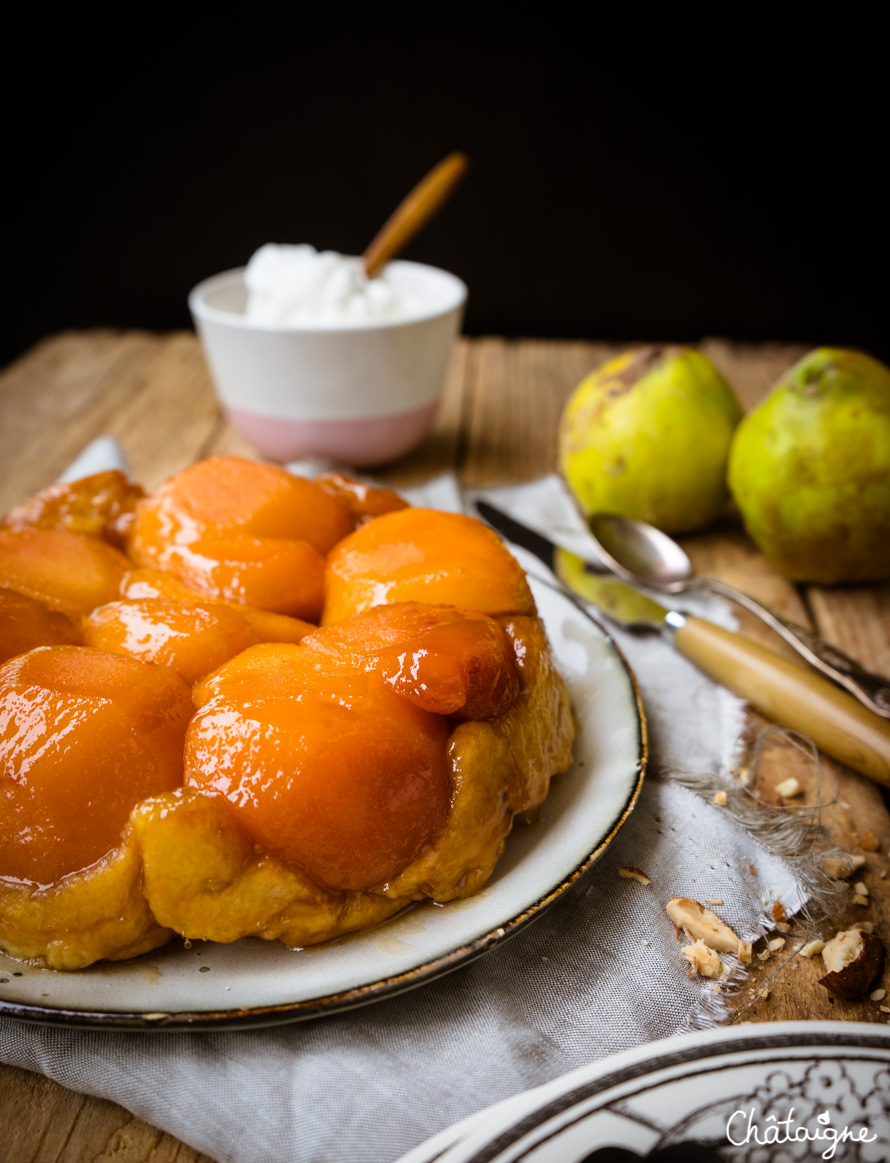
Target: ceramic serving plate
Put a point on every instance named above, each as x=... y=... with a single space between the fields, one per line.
x=782 y=1091
x=254 y=983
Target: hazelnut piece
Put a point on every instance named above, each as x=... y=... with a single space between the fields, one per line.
x=853 y=959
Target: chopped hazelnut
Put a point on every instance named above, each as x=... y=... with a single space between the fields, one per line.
x=861 y=887
x=634 y=874
x=853 y=960
x=878 y=994
x=700 y=923
x=840 y=867
x=859 y=899
x=842 y=949
x=812 y=947
x=868 y=841
x=703 y=960
x=775 y=944
x=789 y=788
x=720 y=799
x=779 y=913
x=783 y=927
x=714 y=900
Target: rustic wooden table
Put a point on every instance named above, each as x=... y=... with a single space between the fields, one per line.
x=497 y=424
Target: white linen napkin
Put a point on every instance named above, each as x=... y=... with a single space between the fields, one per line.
x=599 y=972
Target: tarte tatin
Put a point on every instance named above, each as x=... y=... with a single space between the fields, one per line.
x=249 y=704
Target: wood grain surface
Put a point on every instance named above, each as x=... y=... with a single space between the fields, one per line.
x=497 y=424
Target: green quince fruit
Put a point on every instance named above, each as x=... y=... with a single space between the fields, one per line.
x=647 y=435
x=810 y=469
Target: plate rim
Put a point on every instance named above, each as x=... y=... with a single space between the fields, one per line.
x=256 y=1017
x=678 y=1050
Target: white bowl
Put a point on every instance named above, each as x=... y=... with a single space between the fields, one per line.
x=360 y=394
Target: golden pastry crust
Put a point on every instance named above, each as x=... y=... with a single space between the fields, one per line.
x=205 y=879
x=99 y=913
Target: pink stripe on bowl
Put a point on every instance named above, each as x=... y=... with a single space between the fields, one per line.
x=364 y=442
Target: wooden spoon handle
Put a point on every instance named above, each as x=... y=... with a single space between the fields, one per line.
x=791 y=695
x=415 y=211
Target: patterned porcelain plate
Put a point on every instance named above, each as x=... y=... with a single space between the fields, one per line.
x=763 y=1094
x=256 y=983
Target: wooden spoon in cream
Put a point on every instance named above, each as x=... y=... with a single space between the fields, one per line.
x=415 y=211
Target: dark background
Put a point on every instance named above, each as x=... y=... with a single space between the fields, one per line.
x=630 y=180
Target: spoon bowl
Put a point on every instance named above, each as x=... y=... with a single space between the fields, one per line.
x=640 y=553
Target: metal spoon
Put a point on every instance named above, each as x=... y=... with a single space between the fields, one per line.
x=642 y=554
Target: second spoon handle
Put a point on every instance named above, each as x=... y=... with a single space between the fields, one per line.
x=791 y=695
x=873 y=690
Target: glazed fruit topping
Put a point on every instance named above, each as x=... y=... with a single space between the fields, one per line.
x=84 y=736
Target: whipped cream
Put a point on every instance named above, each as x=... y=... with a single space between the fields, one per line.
x=298 y=285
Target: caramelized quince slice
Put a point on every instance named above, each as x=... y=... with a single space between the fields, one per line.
x=242 y=531
x=100 y=505
x=192 y=639
x=84 y=736
x=364 y=502
x=321 y=763
x=422 y=555
x=69 y=572
x=140 y=584
x=226 y=496
x=450 y=662
x=145 y=582
x=499 y=767
x=26 y=623
x=285 y=577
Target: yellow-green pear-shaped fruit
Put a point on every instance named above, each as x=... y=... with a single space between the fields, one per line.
x=647 y=435
x=810 y=469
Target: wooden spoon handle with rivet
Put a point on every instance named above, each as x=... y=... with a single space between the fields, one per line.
x=415 y=211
